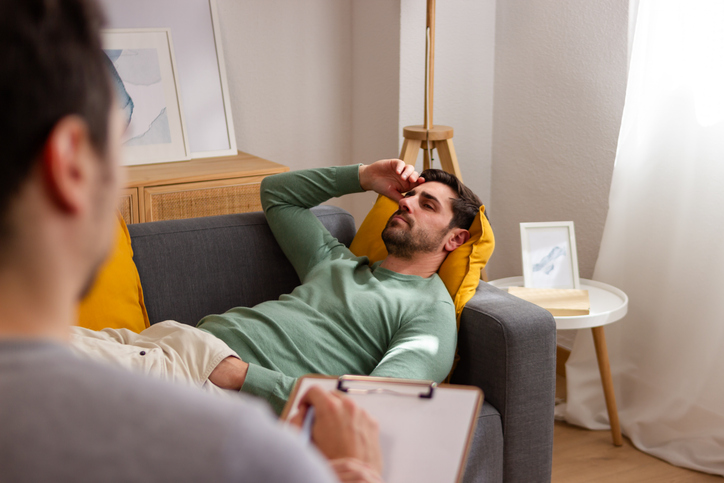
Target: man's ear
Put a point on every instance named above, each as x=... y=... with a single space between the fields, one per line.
x=457 y=237
x=65 y=164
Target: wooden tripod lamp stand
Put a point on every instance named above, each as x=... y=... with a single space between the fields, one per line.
x=428 y=136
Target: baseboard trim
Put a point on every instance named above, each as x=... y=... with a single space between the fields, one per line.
x=562 y=355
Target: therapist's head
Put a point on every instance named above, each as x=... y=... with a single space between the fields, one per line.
x=60 y=139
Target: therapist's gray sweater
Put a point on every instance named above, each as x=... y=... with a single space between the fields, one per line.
x=63 y=419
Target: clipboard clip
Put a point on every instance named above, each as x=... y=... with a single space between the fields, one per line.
x=427 y=393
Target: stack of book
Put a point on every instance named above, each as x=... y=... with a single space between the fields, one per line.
x=559 y=302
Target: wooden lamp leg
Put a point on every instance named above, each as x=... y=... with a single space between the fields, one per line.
x=599 y=339
x=426 y=158
x=410 y=149
x=448 y=158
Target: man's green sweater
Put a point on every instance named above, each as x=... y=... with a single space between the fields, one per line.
x=347 y=316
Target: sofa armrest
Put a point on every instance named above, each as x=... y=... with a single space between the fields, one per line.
x=507 y=348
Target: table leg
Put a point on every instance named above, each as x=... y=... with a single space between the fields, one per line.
x=599 y=339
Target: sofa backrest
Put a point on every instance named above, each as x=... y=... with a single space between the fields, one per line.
x=200 y=266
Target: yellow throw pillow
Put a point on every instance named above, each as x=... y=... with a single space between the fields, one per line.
x=116 y=299
x=461 y=269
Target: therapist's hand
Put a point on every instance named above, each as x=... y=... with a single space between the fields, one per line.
x=341 y=429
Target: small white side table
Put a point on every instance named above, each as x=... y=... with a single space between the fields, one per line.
x=608 y=304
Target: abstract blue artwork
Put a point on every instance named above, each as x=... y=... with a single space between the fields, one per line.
x=137 y=78
x=124 y=100
x=548 y=263
x=549 y=255
x=199 y=63
x=141 y=65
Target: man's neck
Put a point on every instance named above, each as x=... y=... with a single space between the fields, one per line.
x=26 y=313
x=422 y=266
x=36 y=286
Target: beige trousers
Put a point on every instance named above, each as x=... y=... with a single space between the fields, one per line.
x=169 y=350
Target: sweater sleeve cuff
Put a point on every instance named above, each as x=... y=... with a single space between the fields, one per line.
x=273 y=386
x=348 y=179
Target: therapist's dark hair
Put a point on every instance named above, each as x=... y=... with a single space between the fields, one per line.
x=51 y=65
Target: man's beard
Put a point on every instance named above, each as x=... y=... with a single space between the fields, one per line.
x=405 y=243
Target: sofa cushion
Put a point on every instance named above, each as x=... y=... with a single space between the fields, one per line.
x=200 y=266
x=116 y=298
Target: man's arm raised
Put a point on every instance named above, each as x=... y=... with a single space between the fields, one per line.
x=287 y=197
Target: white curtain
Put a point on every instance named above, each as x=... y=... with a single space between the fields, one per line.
x=663 y=244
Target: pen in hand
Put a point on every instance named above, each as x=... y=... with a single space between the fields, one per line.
x=307 y=425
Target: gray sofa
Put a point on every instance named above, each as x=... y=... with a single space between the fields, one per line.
x=191 y=268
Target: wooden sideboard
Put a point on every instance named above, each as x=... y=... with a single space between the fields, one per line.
x=189 y=189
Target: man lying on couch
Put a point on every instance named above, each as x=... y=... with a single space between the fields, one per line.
x=393 y=318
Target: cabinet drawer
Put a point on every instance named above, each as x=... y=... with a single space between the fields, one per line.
x=128 y=205
x=207 y=198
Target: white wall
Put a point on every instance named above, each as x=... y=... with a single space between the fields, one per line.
x=375 y=89
x=560 y=78
x=464 y=67
x=290 y=79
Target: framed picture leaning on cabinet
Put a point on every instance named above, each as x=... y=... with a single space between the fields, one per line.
x=202 y=83
x=143 y=72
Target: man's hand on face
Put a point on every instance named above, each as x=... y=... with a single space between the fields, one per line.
x=343 y=431
x=389 y=177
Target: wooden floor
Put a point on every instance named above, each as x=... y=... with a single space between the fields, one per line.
x=582 y=456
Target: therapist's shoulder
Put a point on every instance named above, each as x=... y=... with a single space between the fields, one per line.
x=234 y=438
x=91 y=420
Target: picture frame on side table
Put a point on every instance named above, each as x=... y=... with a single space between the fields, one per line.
x=202 y=81
x=550 y=259
x=144 y=76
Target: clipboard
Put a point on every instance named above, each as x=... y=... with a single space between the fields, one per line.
x=425 y=429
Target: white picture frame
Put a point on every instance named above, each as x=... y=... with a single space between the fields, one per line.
x=145 y=72
x=550 y=257
x=202 y=81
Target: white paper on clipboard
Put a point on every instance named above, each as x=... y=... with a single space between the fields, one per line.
x=423 y=439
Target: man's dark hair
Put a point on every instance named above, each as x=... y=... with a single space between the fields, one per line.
x=51 y=65
x=466 y=206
